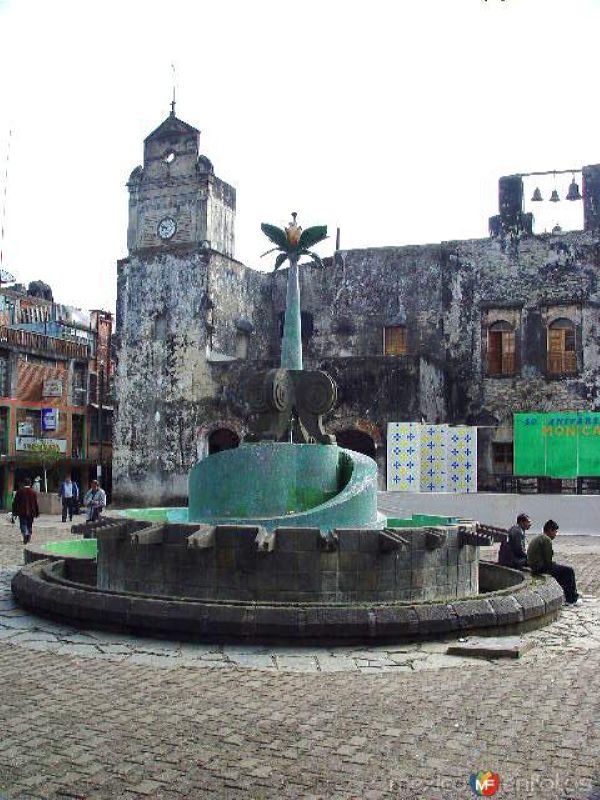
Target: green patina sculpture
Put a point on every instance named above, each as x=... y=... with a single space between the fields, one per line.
x=292 y=243
x=290 y=398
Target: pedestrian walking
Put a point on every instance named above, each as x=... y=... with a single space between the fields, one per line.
x=25 y=507
x=69 y=494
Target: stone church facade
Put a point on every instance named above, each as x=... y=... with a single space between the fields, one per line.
x=459 y=332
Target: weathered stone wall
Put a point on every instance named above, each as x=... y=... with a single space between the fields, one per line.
x=298 y=569
x=184 y=316
x=447 y=296
x=360 y=291
x=170 y=330
x=220 y=216
x=530 y=282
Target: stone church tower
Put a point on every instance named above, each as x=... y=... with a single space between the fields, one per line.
x=185 y=319
x=175 y=198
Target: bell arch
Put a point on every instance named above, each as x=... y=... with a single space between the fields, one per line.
x=359 y=441
x=222 y=439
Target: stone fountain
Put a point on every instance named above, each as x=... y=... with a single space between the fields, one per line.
x=282 y=537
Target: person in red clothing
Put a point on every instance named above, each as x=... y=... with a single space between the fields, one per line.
x=25 y=507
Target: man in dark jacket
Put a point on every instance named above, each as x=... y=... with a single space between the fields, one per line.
x=540 y=557
x=513 y=552
x=25 y=507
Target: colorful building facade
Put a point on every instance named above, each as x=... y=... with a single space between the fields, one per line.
x=55 y=391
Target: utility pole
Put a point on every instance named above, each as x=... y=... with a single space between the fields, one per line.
x=100 y=403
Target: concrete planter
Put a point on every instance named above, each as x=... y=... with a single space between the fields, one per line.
x=49 y=503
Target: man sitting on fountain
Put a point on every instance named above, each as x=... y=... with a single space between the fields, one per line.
x=95 y=502
x=512 y=551
x=540 y=555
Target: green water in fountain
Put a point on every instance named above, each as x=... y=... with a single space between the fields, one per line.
x=84 y=548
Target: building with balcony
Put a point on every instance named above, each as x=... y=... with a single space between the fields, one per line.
x=55 y=388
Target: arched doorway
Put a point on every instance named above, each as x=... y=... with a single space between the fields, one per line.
x=222 y=439
x=356 y=440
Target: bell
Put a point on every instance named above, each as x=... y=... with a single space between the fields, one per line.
x=537 y=196
x=573 y=193
x=554 y=198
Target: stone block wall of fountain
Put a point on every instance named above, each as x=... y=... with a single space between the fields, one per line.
x=244 y=563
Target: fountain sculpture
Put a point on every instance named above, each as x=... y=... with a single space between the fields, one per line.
x=282 y=536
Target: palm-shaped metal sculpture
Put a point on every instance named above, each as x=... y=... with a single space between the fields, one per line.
x=290 y=401
x=292 y=243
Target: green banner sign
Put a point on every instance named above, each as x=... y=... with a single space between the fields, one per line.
x=557 y=445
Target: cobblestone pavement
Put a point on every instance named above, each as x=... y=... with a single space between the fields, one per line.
x=152 y=719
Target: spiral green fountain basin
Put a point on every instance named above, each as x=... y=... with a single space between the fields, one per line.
x=277 y=484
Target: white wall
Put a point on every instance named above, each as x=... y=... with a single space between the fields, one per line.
x=574 y=513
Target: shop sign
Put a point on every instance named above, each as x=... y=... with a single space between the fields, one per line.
x=53 y=387
x=49 y=419
x=24 y=443
x=557 y=444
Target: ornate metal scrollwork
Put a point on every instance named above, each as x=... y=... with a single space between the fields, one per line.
x=281 y=399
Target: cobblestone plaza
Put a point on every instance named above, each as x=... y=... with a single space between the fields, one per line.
x=92 y=714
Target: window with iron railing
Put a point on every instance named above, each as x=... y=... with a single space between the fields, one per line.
x=501 y=349
x=79 y=386
x=394 y=340
x=107 y=427
x=562 y=353
x=3 y=431
x=93 y=387
x=78 y=436
x=4 y=375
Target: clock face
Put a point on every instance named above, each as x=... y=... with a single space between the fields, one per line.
x=167 y=228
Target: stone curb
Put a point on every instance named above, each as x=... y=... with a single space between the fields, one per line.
x=41 y=587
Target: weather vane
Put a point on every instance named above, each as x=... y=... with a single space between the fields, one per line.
x=173 y=100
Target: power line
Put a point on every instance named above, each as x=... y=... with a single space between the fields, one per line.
x=4 y=201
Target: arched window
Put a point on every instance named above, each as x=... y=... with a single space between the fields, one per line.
x=394 y=340
x=222 y=439
x=501 y=349
x=562 y=356
x=356 y=440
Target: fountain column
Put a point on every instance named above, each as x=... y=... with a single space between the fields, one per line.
x=291 y=347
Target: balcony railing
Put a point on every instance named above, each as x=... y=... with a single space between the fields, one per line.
x=28 y=340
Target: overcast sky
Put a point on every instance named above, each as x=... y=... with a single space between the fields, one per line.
x=390 y=119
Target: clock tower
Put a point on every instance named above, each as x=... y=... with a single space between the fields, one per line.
x=175 y=198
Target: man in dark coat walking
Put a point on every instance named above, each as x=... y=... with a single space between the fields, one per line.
x=25 y=507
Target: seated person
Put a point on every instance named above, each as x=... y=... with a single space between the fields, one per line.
x=512 y=551
x=539 y=557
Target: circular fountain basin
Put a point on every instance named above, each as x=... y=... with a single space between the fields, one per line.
x=282 y=540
